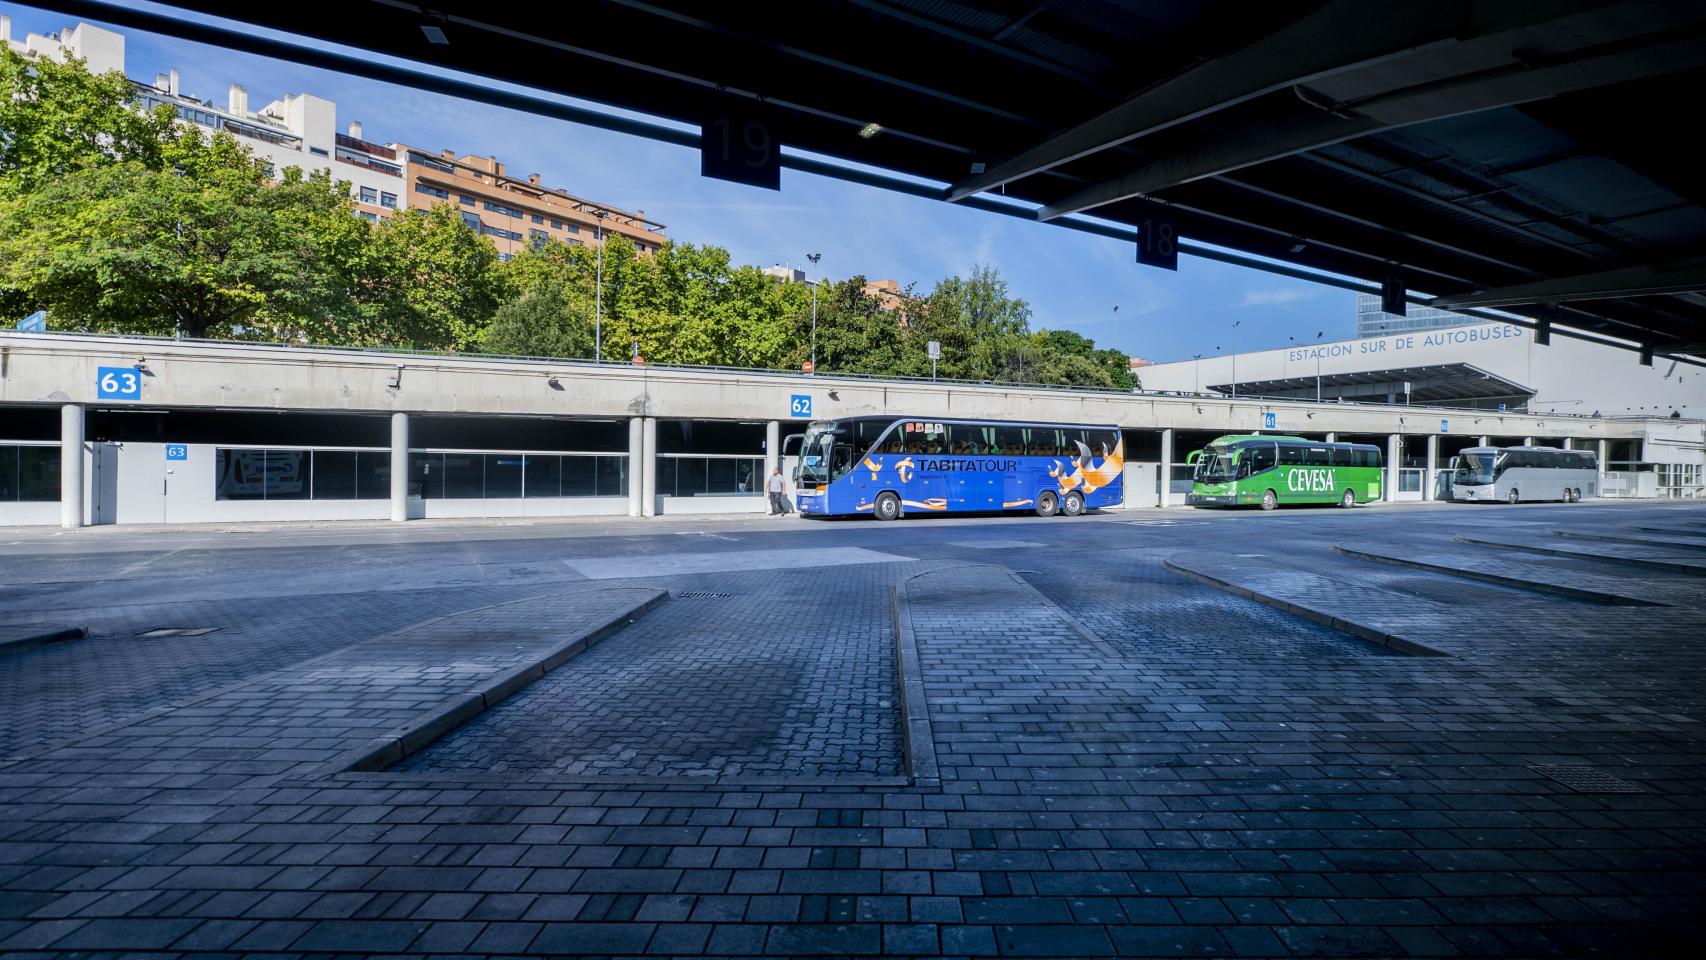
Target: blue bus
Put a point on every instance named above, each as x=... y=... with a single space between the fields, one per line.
x=884 y=467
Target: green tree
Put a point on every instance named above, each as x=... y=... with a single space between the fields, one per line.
x=208 y=245
x=550 y=319
x=58 y=117
x=428 y=281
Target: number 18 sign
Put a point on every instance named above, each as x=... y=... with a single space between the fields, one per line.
x=118 y=383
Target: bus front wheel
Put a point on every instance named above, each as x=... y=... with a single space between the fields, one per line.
x=1047 y=505
x=1512 y=497
x=1072 y=504
x=1270 y=500
x=887 y=506
x=1349 y=500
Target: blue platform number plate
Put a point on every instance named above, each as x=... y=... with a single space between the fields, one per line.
x=177 y=451
x=118 y=383
x=1270 y=421
x=800 y=405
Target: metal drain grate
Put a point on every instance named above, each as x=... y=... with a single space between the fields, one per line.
x=160 y=633
x=1587 y=779
x=702 y=595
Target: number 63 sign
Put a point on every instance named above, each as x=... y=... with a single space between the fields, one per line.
x=118 y=383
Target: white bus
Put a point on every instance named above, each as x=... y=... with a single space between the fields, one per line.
x=1516 y=474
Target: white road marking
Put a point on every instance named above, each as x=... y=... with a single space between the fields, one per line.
x=728 y=561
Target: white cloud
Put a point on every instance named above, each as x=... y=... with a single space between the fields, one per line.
x=1268 y=298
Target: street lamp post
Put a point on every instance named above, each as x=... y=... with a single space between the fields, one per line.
x=1235 y=324
x=814 y=258
x=1318 y=335
x=1196 y=374
x=598 y=296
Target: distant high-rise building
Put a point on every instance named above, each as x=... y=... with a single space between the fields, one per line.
x=1374 y=322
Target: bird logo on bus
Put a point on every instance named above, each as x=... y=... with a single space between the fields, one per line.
x=1083 y=472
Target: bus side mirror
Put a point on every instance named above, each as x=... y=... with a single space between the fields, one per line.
x=1192 y=456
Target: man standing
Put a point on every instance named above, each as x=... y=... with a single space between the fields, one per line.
x=774 y=486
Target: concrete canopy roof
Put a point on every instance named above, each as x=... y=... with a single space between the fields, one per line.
x=1434 y=383
x=1493 y=151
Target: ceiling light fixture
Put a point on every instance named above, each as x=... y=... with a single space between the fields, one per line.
x=870 y=130
x=435 y=35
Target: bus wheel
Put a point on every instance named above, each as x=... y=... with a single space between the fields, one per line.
x=1270 y=500
x=1072 y=504
x=887 y=506
x=1512 y=497
x=1349 y=500
x=1047 y=505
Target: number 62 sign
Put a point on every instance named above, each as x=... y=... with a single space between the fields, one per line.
x=118 y=383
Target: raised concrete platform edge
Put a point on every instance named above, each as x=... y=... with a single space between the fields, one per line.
x=1677 y=542
x=423 y=730
x=1654 y=563
x=14 y=639
x=1362 y=631
x=1537 y=586
x=917 y=739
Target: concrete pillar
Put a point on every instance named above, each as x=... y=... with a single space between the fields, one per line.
x=1332 y=437
x=1528 y=441
x=1485 y=442
x=1394 y=451
x=1166 y=466
x=71 y=465
x=649 y=466
x=399 y=467
x=1433 y=464
x=1601 y=486
x=636 y=466
x=772 y=451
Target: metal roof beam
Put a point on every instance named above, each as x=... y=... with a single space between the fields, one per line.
x=1276 y=137
x=1344 y=35
x=1646 y=281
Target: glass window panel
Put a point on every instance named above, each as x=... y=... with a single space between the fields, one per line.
x=38 y=474
x=426 y=475
x=503 y=475
x=372 y=476
x=1103 y=440
x=666 y=476
x=1291 y=455
x=334 y=475
x=580 y=476
x=723 y=476
x=9 y=473
x=1073 y=438
x=544 y=476
x=612 y=476
x=241 y=473
x=463 y=476
x=1043 y=442
x=286 y=474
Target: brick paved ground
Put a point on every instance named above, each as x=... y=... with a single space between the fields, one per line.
x=1204 y=775
x=772 y=677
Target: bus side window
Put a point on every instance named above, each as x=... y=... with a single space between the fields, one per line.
x=1259 y=458
x=1291 y=455
x=967 y=439
x=1100 y=439
x=1317 y=457
x=1072 y=439
x=1043 y=442
x=1010 y=441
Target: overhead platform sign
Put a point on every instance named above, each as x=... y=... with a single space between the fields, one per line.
x=1158 y=238
x=739 y=144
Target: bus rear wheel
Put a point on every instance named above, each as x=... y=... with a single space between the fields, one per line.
x=1270 y=500
x=1513 y=497
x=1047 y=505
x=1349 y=500
x=1072 y=504
x=887 y=506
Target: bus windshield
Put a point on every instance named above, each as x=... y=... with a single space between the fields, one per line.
x=1215 y=465
x=1474 y=468
x=814 y=453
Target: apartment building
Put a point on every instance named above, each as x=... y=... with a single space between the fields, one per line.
x=516 y=212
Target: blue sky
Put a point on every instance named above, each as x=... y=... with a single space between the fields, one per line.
x=1072 y=280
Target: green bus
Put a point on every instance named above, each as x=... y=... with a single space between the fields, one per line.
x=1269 y=470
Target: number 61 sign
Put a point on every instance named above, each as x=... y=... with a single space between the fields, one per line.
x=118 y=383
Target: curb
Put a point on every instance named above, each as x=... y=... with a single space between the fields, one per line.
x=382 y=752
x=47 y=635
x=1389 y=640
x=1577 y=593
x=1675 y=543
x=1652 y=563
x=920 y=741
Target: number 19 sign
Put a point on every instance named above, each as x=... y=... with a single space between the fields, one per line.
x=118 y=383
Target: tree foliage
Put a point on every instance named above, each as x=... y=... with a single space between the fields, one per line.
x=120 y=221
